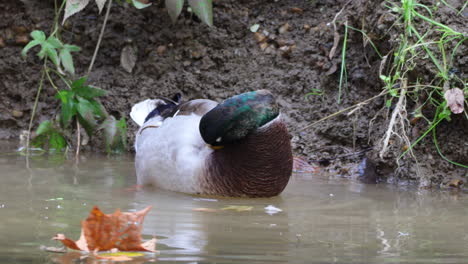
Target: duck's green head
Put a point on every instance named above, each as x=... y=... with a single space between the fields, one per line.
x=238 y=116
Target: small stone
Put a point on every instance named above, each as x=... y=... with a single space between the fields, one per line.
x=2 y=43
x=196 y=54
x=266 y=33
x=259 y=37
x=263 y=46
x=20 y=29
x=297 y=10
x=270 y=49
x=281 y=42
x=22 y=39
x=186 y=63
x=17 y=113
x=306 y=27
x=284 y=28
x=161 y=50
x=287 y=50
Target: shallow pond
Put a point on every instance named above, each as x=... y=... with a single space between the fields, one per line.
x=323 y=220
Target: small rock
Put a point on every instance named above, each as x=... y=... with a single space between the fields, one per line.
x=161 y=50
x=266 y=33
x=2 y=43
x=270 y=49
x=263 y=46
x=297 y=10
x=186 y=63
x=306 y=27
x=22 y=39
x=259 y=37
x=17 y=113
x=287 y=50
x=281 y=42
x=196 y=54
x=284 y=28
x=20 y=29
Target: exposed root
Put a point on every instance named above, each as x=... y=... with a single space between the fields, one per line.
x=397 y=127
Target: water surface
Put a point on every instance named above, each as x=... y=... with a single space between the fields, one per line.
x=324 y=220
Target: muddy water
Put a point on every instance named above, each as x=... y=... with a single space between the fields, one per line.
x=323 y=220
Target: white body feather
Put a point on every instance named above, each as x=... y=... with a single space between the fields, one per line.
x=174 y=161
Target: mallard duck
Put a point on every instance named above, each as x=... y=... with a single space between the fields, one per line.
x=239 y=148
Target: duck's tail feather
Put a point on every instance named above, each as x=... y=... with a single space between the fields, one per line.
x=149 y=108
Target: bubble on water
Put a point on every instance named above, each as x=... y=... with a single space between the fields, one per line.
x=59 y=206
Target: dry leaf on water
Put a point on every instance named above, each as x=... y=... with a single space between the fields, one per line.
x=101 y=232
x=455 y=99
x=238 y=208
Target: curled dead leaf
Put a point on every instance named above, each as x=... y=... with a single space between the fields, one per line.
x=101 y=232
x=455 y=100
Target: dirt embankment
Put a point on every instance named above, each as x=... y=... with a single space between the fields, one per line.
x=215 y=63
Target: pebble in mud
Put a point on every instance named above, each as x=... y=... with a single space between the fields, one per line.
x=22 y=40
x=17 y=113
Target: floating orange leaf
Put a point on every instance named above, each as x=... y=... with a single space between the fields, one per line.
x=100 y=232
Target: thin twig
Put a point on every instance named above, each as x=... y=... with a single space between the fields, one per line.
x=344 y=110
x=78 y=140
x=336 y=38
x=36 y=101
x=100 y=36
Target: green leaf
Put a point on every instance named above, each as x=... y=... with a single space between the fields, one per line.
x=74 y=6
x=54 y=42
x=57 y=141
x=89 y=92
x=67 y=60
x=68 y=107
x=53 y=56
x=30 y=45
x=86 y=115
x=77 y=84
x=38 y=35
x=139 y=5
x=203 y=9
x=174 y=7
x=44 y=128
x=98 y=108
x=71 y=48
x=39 y=141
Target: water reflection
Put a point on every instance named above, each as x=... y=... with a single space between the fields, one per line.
x=323 y=220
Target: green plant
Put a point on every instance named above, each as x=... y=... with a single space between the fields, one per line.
x=423 y=40
x=202 y=8
x=78 y=103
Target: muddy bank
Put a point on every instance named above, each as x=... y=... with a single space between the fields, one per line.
x=215 y=63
